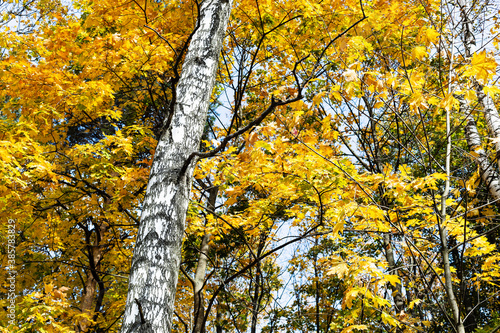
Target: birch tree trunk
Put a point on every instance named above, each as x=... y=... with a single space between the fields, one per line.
x=492 y=118
x=489 y=173
x=157 y=253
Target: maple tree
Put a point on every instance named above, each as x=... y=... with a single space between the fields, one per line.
x=347 y=178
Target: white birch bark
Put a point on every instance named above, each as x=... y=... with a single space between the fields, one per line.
x=488 y=170
x=157 y=253
x=492 y=118
x=443 y=233
x=489 y=174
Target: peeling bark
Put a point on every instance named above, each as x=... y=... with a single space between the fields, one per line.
x=489 y=173
x=157 y=253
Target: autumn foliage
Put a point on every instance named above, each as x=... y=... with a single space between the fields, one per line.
x=369 y=204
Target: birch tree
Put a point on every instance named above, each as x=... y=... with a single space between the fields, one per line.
x=378 y=168
x=157 y=253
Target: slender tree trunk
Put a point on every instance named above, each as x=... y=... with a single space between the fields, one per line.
x=198 y=283
x=397 y=295
x=448 y=280
x=442 y=221
x=201 y=270
x=257 y=293
x=259 y=285
x=316 y=285
x=218 y=320
x=470 y=130
x=443 y=233
x=157 y=253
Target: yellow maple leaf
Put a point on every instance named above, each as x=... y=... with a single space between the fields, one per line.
x=491 y=90
x=392 y=279
x=470 y=95
x=48 y=288
x=318 y=98
x=419 y=52
x=414 y=302
x=351 y=296
x=339 y=268
x=449 y=102
x=417 y=100
x=335 y=95
x=431 y=35
x=388 y=319
x=338 y=228
x=482 y=66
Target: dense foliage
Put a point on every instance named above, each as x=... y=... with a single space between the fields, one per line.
x=368 y=204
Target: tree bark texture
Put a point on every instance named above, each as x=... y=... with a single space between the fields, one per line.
x=201 y=270
x=492 y=118
x=95 y=251
x=157 y=253
x=489 y=174
x=474 y=143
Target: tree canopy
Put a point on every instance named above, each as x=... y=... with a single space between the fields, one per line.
x=347 y=179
